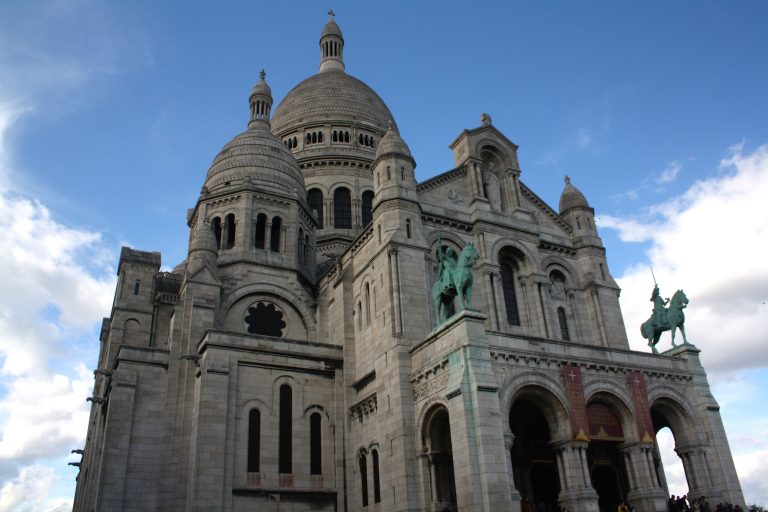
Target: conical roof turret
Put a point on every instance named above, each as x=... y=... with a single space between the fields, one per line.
x=392 y=143
x=571 y=197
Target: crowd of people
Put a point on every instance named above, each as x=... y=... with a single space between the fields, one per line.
x=700 y=504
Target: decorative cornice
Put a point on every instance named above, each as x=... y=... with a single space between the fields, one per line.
x=543 y=207
x=437 y=220
x=430 y=380
x=363 y=409
x=560 y=249
x=441 y=179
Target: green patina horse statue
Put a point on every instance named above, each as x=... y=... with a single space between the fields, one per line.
x=665 y=319
x=454 y=281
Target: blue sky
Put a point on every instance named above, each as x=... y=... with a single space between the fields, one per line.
x=111 y=113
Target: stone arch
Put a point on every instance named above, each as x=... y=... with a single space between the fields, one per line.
x=670 y=411
x=132 y=332
x=530 y=262
x=615 y=397
x=544 y=391
x=610 y=467
x=446 y=236
x=437 y=448
x=554 y=262
x=295 y=308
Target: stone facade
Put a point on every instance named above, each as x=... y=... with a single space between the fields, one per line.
x=294 y=360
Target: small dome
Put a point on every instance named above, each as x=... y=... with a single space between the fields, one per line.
x=392 y=143
x=331 y=29
x=261 y=86
x=256 y=155
x=572 y=197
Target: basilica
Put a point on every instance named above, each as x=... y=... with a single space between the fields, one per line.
x=342 y=337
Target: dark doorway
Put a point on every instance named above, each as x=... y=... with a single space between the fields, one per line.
x=439 y=453
x=609 y=476
x=606 y=484
x=534 y=466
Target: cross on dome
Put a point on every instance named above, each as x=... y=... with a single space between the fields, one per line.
x=331 y=14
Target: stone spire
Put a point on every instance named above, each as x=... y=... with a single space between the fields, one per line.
x=331 y=46
x=571 y=197
x=261 y=103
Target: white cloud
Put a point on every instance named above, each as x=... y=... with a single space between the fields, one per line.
x=711 y=242
x=28 y=492
x=669 y=174
x=673 y=466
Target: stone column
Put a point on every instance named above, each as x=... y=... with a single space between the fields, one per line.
x=576 y=492
x=490 y=299
x=645 y=494
x=509 y=440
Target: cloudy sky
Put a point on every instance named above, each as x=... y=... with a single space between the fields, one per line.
x=110 y=114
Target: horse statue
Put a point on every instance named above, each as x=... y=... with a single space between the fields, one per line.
x=454 y=280
x=665 y=319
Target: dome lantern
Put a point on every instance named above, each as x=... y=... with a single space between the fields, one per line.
x=331 y=46
x=261 y=102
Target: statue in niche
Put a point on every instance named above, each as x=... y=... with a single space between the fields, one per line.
x=557 y=291
x=491 y=186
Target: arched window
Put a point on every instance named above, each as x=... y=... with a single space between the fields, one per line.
x=367 y=207
x=563 y=324
x=309 y=138
x=261 y=231
x=136 y=287
x=307 y=248
x=274 y=235
x=402 y=173
x=295 y=142
x=254 y=440
x=315 y=443
x=301 y=247
x=315 y=203
x=367 y=303
x=346 y=136
x=342 y=209
x=314 y=137
x=216 y=227
x=508 y=270
x=364 y=477
x=376 y=484
x=360 y=139
x=389 y=173
x=319 y=136
x=408 y=228
x=359 y=316
x=229 y=227
x=285 y=448
x=372 y=142
x=335 y=136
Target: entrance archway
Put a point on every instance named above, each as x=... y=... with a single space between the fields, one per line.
x=534 y=465
x=604 y=457
x=436 y=435
x=667 y=414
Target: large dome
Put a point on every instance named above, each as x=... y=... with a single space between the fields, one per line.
x=331 y=96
